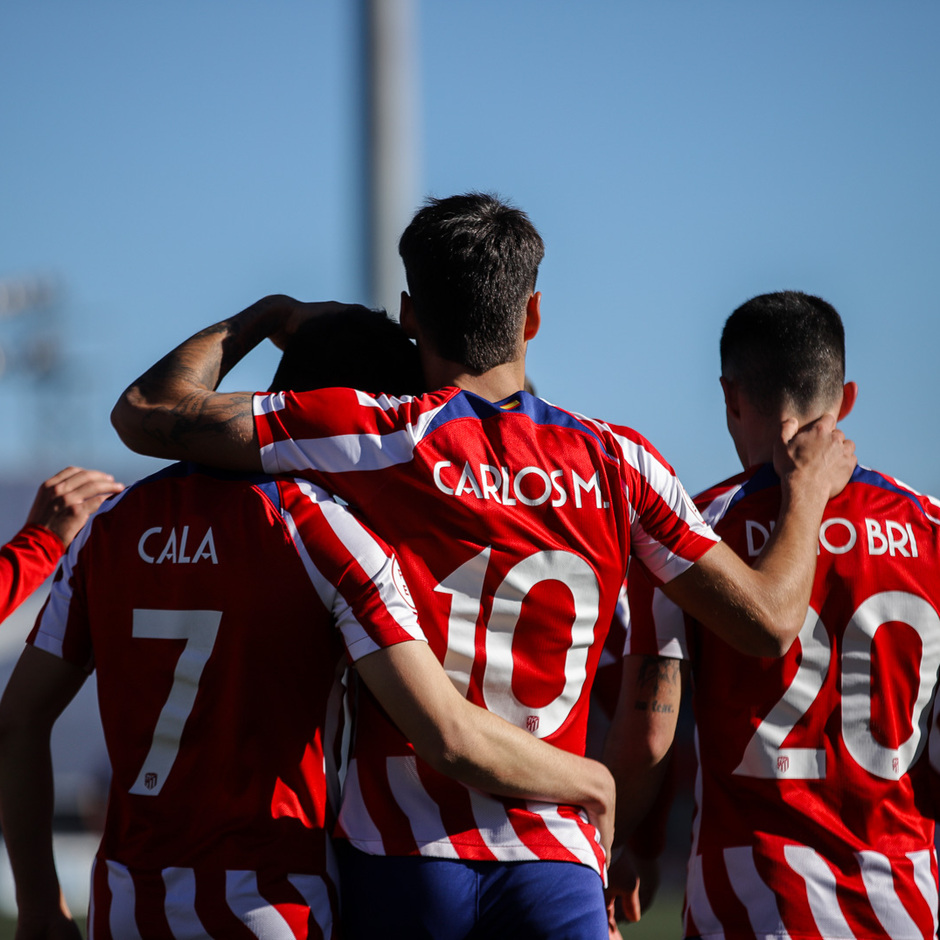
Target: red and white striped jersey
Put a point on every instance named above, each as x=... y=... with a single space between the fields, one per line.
x=206 y=602
x=513 y=522
x=813 y=812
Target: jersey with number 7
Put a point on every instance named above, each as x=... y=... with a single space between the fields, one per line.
x=813 y=812
x=206 y=603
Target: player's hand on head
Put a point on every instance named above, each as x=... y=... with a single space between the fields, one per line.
x=299 y=313
x=817 y=455
x=65 y=501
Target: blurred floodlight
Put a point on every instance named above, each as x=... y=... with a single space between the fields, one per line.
x=18 y=295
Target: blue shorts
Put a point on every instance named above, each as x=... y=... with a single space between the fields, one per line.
x=443 y=899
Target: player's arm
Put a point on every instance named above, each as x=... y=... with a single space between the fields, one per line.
x=40 y=687
x=760 y=610
x=477 y=747
x=637 y=751
x=174 y=411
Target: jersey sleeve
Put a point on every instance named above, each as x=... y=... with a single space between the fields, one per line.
x=355 y=573
x=668 y=533
x=62 y=627
x=655 y=626
x=25 y=562
x=334 y=430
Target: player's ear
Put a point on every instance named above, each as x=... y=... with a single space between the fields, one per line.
x=533 y=315
x=406 y=316
x=732 y=403
x=849 y=396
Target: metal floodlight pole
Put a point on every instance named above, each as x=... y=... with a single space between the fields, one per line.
x=391 y=141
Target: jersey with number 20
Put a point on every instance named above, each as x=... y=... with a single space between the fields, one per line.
x=813 y=814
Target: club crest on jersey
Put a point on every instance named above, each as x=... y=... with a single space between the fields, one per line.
x=173 y=548
x=532 y=723
x=528 y=486
x=783 y=764
x=150 y=780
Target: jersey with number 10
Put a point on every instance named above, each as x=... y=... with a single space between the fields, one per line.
x=206 y=604
x=513 y=522
x=813 y=815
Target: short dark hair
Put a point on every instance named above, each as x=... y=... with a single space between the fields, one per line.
x=471 y=262
x=358 y=348
x=785 y=348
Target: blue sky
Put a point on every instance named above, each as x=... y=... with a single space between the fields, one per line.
x=170 y=163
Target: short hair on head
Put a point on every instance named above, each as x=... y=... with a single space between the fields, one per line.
x=785 y=348
x=357 y=348
x=471 y=262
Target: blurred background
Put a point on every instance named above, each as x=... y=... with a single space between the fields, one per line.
x=164 y=165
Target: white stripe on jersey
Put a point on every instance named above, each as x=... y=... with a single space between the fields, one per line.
x=669 y=623
x=312 y=888
x=267 y=404
x=567 y=832
x=662 y=480
x=820 y=890
x=417 y=805
x=879 y=885
x=180 y=904
x=51 y=633
x=657 y=558
x=752 y=891
x=496 y=830
x=342 y=452
x=372 y=559
x=925 y=881
x=245 y=901
x=697 y=906
x=121 y=918
x=717 y=508
x=354 y=818
x=385 y=402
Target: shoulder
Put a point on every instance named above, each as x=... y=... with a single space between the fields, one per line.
x=736 y=491
x=891 y=491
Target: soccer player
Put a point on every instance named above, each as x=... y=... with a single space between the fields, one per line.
x=203 y=600
x=514 y=521
x=813 y=815
x=61 y=506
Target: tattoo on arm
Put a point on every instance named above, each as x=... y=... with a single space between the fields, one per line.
x=659 y=677
x=198 y=415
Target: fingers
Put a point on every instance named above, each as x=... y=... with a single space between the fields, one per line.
x=66 y=500
x=613 y=931
x=302 y=312
x=788 y=429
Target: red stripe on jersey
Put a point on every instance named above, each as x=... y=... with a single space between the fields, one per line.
x=813 y=786
x=507 y=523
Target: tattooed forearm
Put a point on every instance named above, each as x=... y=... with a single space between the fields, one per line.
x=195 y=415
x=658 y=682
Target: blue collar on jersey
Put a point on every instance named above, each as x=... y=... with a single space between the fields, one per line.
x=469 y=405
x=765 y=476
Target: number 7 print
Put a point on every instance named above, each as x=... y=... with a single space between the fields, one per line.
x=199 y=629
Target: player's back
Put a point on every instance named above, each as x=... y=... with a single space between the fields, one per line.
x=513 y=521
x=813 y=785
x=192 y=597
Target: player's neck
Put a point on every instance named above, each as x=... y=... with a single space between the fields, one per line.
x=493 y=385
